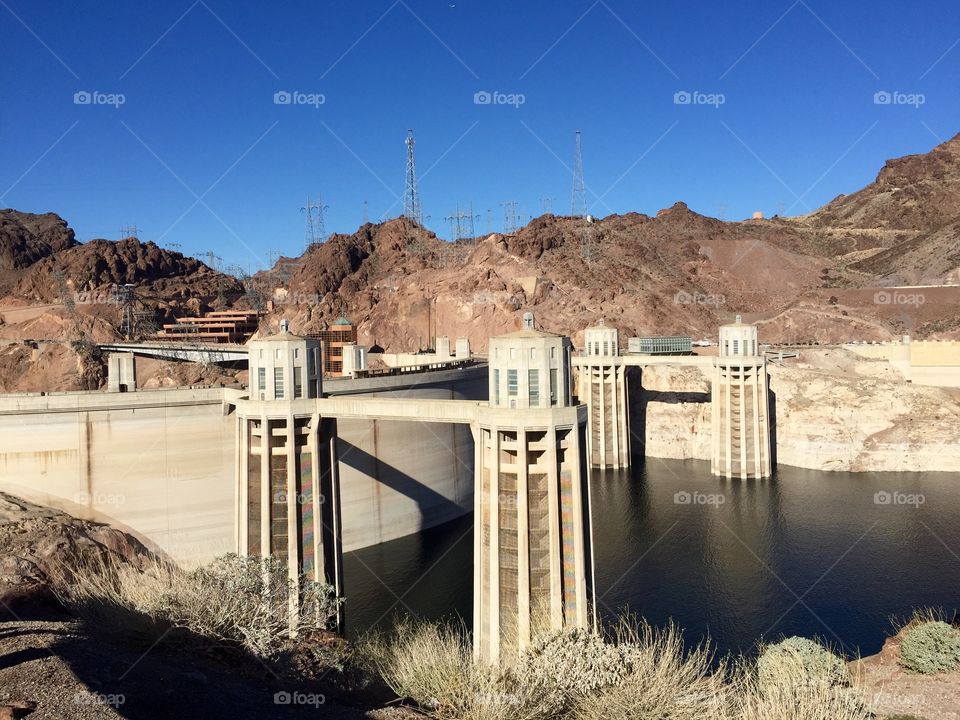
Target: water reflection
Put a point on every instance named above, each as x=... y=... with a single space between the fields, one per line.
x=808 y=553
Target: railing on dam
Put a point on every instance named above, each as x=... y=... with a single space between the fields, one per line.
x=406 y=369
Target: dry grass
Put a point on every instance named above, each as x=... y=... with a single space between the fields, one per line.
x=657 y=680
x=234 y=601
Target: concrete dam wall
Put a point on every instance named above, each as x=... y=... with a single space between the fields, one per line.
x=162 y=464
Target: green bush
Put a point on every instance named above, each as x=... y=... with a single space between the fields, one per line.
x=798 y=661
x=930 y=647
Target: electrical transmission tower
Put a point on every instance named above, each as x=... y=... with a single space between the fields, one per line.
x=579 y=199
x=366 y=214
x=509 y=216
x=66 y=298
x=316 y=230
x=546 y=205
x=212 y=259
x=128 y=231
x=411 y=196
x=461 y=224
x=174 y=246
x=125 y=296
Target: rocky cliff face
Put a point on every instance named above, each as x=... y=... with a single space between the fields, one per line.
x=861 y=419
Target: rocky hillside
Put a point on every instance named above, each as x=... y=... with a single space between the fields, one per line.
x=915 y=192
x=96 y=265
x=675 y=272
x=26 y=238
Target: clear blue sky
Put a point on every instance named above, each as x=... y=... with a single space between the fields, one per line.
x=798 y=123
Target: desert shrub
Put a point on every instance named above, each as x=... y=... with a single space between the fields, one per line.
x=798 y=661
x=637 y=672
x=433 y=665
x=570 y=664
x=930 y=647
x=799 y=701
x=240 y=601
x=659 y=680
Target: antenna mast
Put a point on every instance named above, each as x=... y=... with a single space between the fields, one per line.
x=411 y=197
x=579 y=200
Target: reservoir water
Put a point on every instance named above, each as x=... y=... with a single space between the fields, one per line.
x=825 y=554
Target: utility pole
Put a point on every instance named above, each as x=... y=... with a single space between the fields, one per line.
x=366 y=214
x=411 y=196
x=579 y=197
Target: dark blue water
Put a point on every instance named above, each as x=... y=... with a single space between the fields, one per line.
x=807 y=553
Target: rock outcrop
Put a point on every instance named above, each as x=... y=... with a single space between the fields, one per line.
x=37 y=543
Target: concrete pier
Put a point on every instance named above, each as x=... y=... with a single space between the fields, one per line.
x=602 y=386
x=533 y=543
x=740 y=406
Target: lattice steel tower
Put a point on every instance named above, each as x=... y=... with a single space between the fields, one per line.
x=411 y=197
x=316 y=230
x=579 y=200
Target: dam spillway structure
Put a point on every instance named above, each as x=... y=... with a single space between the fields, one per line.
x=533 y=550
x=740 y=406
x=602 y=386
x=287 y=462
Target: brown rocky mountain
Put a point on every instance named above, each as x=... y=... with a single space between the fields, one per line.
x=915 y=192
x=26 y=238
x=804 y=278
x=98 y=264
